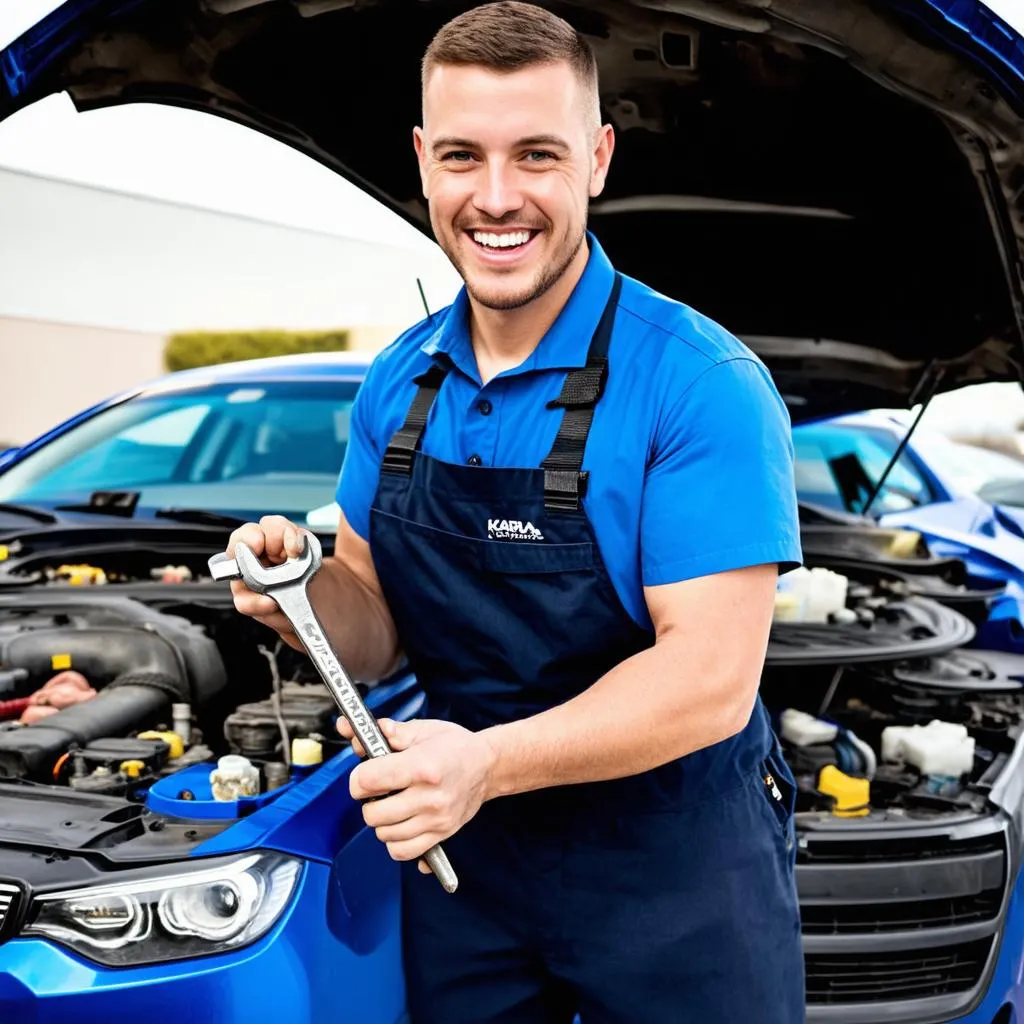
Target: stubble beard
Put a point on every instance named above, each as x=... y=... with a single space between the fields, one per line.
x=547 y=276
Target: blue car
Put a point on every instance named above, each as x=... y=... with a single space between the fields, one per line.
x=837 y=184
x=967 y=502
x=247 y=909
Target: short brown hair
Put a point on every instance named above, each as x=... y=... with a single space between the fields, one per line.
x=508 y=36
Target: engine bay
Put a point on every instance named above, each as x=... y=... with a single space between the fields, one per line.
x=134 y=679
x=886 y=706
x=106 y=695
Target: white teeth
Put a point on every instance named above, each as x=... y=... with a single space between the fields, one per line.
x=505 y=241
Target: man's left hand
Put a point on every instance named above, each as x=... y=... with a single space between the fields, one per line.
x=437 y=779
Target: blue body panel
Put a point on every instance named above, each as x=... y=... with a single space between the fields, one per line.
x=326 y=959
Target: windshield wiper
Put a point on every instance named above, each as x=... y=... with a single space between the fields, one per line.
x=124 y=504
x=28 y=511
x=199 y=516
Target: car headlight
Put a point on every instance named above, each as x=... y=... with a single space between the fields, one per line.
x=185 y=914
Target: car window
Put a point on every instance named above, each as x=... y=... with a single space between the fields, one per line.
x=837 y=467
x=245 y=450
x=991 y=475
x=170 y=429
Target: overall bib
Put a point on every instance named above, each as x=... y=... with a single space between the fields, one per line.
x=661 y=898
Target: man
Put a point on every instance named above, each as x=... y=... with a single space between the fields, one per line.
x=566 y=500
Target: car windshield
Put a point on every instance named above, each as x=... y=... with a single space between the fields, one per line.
x=838 y=465
x=243 y=450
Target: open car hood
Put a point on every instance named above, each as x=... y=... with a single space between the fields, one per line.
x=839 y=184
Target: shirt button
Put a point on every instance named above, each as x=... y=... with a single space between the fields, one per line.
x=475 y=460
x=485 y=407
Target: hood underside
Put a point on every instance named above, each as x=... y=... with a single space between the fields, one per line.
x=841 y=184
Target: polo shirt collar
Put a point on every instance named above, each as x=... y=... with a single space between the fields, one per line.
x=567 y=340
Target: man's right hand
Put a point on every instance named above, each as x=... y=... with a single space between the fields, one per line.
x=273 y=540
x=346 y=594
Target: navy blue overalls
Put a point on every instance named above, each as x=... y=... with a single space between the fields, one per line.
x=661 y=898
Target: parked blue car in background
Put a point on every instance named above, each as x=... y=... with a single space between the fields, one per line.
x=836 y=184
x=956 y=496
x=238 y=440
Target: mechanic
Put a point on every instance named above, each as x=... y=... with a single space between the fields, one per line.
x=566 y=500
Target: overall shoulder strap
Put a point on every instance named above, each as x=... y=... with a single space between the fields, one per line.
x=406 y=442
x=564 y=483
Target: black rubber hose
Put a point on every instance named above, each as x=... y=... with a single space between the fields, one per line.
x=121 y=708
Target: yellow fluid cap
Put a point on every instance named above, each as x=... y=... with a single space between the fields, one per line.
x=133 y=769
x=5 y=552
x=172 y=739
x=76 y=575
x=59 y=662
x=851 y=794
x=306 y=751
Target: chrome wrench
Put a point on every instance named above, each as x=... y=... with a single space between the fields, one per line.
x=286 y=585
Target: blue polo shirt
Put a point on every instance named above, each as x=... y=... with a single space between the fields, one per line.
x=690 y=454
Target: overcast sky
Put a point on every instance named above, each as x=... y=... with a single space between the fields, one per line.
x=206 y=161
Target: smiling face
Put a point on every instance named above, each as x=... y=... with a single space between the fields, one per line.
x=509 y=161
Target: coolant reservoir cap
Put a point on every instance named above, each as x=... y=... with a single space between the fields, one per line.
x=851 y=794
x=306 y=751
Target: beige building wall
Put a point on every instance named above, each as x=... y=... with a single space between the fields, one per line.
x=372 y=338
x=93 y=281
x=56 y=370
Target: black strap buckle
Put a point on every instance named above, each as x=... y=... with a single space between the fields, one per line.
x=563 y=489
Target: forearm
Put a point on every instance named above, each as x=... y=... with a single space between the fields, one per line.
x=355 y=619
x=659 y=705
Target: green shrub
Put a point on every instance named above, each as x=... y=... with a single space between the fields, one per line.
x=205 y=348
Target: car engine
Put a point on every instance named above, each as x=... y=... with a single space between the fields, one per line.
x=107 y=694
x=121 y=669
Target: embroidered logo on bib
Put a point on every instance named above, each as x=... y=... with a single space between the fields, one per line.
x=512 y=529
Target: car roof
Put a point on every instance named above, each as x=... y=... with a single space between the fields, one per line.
x=306 y=366
x=887 y=419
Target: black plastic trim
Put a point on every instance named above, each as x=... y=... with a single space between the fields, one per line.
x=900 y=882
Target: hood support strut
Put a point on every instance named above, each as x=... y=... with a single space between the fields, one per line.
x=924 y=391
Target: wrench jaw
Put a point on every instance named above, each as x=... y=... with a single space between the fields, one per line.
x=224 y=568
x=257 y=578
x=261 y=579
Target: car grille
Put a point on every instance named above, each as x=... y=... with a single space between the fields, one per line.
x=898 y=917
x=9 y=895
x=890 y=920
x=820 y=851
x=911 y=974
